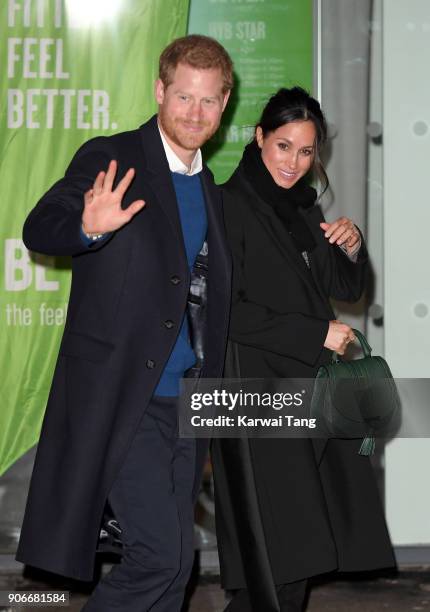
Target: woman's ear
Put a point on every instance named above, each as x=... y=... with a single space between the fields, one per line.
x=259 y=136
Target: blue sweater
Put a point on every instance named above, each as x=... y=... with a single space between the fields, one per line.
x=192 y=212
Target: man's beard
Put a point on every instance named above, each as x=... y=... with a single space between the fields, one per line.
x=177 y=133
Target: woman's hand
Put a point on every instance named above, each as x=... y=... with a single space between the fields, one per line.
x=338 y=337
x=343 y=232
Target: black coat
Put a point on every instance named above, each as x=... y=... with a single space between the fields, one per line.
x=288 y=509
x=115 y=343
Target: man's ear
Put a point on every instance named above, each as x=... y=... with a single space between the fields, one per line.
x=159 y=91
x=226 y=97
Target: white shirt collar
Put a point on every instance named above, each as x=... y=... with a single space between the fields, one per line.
x=177 y=165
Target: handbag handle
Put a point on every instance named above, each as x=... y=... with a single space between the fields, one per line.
x=365 y=346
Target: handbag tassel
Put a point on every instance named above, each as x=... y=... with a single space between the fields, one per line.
x=367 y=447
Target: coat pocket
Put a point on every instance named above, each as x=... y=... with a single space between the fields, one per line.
x=85 y=347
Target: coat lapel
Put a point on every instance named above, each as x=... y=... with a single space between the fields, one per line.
x=283 y=240
x=159 y=178
x=312 y=218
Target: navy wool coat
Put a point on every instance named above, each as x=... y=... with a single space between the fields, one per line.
x=116 y=341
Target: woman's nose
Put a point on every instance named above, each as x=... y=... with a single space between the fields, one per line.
x=292 y=161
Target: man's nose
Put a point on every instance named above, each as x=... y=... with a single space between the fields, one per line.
x=195 y=111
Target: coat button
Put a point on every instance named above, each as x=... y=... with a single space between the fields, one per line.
x=175 y=280
x=169 y=324
x=150 y=364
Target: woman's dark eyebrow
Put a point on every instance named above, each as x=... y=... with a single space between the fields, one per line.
x=311 y=146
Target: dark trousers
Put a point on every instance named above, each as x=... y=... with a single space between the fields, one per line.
x=152 y=501
x=290 y=596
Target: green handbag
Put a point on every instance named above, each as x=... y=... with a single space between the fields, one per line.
x=357 y=398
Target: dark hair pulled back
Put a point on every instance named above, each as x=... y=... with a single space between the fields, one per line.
x=296 y=104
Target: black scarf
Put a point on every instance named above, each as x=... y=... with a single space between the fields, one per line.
x=285 y=202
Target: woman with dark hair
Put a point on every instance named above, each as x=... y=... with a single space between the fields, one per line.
x=288 y=509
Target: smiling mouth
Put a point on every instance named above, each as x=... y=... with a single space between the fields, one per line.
x=288 y=175
x=193 y=127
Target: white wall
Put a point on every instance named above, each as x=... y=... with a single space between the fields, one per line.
x=406 y=172
x=375 y=190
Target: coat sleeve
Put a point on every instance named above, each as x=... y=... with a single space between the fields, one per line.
x=53 y=226
x=348 y=277
x=293 y=334
x=341 y=278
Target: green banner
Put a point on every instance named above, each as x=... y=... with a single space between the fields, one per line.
x=74 y=69
x=271 y=43
x=71 y=70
